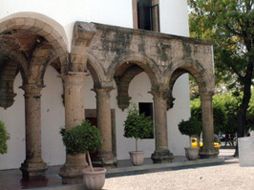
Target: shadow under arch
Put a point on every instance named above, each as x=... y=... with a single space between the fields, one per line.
x=11 y=63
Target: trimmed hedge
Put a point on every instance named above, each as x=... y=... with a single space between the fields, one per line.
x=191 y=127
x=137 y=125
x=81 y=139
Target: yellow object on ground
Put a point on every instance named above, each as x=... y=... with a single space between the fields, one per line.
x=194 y=143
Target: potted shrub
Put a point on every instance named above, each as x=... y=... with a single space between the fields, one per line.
x=191 y=128
x=3 y=138
x=85 y=138
x=137 y=126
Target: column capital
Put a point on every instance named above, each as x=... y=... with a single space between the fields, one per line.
x=106 y=89
x=32 y=89
x=74 y=74
x=74 y=78
x=161 y=92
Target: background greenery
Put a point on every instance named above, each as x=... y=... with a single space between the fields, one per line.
x=225 y=106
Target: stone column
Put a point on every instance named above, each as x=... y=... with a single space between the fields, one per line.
x=207 y=126
x=161 y=153
x=104 y=123
x=33 y=165
x=74 y=94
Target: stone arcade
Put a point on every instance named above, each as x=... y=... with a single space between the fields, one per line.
x=29 y=44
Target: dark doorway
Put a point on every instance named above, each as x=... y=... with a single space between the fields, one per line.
x=147 y=109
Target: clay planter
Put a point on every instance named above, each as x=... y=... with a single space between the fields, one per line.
x=192 y=153
x=94 y=180
x=137 y=158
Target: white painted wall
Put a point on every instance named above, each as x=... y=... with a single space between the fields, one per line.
x=52 y=119
x=174 y=17
x=14 y=119
x=138 y=91
x=65 y=12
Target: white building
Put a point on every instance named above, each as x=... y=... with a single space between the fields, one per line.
x=172 y=19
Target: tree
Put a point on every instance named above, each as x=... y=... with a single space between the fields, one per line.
x=230 y=26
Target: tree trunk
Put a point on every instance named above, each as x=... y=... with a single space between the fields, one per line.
x=242 y=112
x=136 y=144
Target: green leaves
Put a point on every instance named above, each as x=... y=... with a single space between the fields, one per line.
x=190 y=127
x=229 y=25
x=81 y=138
x=137 y=125
x=225 y=108
x=3 y=138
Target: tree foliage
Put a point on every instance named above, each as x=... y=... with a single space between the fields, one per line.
x=190 y=127
x=229 y=25
x=137 y=125
x=81 y=139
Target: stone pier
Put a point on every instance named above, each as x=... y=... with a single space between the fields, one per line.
x=33 y=164
x=74 y=115
x=161 y=153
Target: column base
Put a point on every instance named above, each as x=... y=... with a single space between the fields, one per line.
x=31 y=168
x=162 y=156
x=72 y=171
x=105 y=159
x=208 y=152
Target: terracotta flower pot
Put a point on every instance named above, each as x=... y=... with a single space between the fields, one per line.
x=192 y=153
x=94 y=180
x=137 y=157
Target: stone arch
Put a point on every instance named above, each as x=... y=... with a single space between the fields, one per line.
x=205 y=81
x=7 y=52
x=147 y=64
x=11 y=63
x=204 y=78
x=41 y=25
x=126 y=69
x=97 y=71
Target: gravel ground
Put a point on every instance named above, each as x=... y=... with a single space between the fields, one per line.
x=223 y=177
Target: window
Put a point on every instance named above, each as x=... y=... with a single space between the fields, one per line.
x=147 y=109
x=146 y=14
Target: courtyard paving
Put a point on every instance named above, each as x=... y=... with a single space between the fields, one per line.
x=229 y=176
x=226 y=175
x=223 y=177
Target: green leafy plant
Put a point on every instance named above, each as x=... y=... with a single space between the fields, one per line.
x=81 y=139
x=137 y=125
x=191 y=127
x=3 y=138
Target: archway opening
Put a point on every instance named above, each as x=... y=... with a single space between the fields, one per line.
x=199 y=97
x=134 y=81
x=32 y=48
